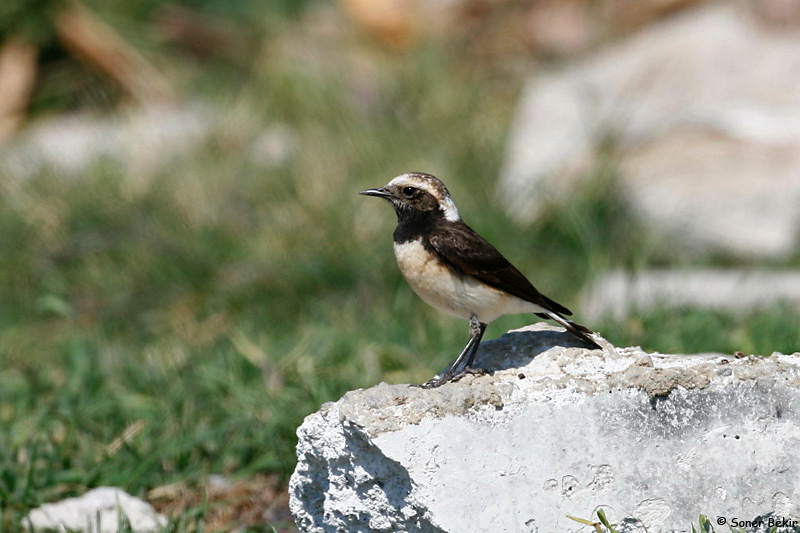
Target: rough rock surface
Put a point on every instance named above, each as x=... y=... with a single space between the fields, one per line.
x=98 y=511
x=556 y=430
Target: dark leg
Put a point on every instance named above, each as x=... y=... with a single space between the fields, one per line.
x=478 y=334
x=476 y=330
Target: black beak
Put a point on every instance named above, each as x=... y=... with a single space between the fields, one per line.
x=379 y=192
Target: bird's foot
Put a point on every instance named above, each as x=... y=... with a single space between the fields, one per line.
x=439 y=381
x=433 y=383
x=469 y=371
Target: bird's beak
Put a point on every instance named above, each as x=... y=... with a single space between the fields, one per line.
x=379 y=192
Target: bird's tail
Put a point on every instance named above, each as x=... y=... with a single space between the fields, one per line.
x=582 y=332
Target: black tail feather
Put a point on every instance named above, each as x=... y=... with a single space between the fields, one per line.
x=582 y=332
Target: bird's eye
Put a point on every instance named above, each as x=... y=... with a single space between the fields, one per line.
x=409 y=192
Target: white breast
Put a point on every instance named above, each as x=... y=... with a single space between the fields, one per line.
x=459 y=296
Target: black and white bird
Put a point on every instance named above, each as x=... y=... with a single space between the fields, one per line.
x=457 y=271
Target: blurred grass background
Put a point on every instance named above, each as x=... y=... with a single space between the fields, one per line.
x=158 y=330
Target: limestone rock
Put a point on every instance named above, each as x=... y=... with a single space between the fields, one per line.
x=556 y=430
x=98 y=511
x=705 y=130
x=619 y=293
x=142 y=141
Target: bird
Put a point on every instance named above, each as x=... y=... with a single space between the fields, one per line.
x=457 y=271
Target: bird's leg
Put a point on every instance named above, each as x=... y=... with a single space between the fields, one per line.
x=476 y=330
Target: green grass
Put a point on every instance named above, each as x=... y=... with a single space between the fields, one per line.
x=688 y=330
x=160 y=329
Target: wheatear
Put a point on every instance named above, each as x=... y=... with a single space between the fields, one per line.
x=456 y=270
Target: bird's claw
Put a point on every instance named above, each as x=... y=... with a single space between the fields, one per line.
x=469 y=371
x=439 y=381
x=432 y=383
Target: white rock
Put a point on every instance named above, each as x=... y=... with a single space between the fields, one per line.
x=619 y=293
x=142 y=139
x=97 y=511
x=655 y=440
x=704 y=112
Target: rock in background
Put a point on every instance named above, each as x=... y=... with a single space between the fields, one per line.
x=101 y=510
x=702 y=114
x=143 y=141
x=654 y=440
x=619 y=294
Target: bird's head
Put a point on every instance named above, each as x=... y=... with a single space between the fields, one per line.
x=417 y=193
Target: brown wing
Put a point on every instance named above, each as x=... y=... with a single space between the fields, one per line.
x=468 y=253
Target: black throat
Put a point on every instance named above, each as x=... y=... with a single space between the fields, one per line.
x=413 y=224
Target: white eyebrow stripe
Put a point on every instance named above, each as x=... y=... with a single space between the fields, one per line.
x=410 y=179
